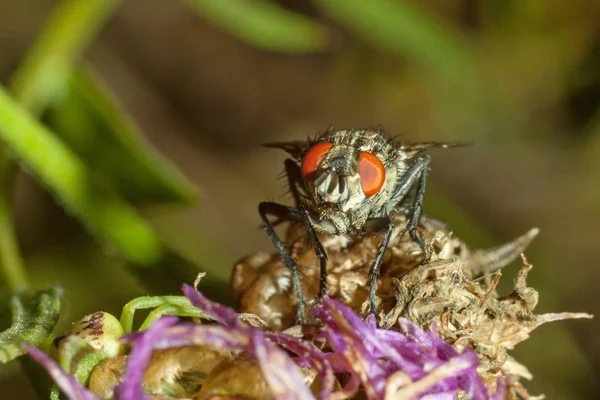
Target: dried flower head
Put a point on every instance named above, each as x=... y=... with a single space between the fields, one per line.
x=453 y=294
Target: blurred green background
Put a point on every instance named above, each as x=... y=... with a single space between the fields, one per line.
x=126 y=86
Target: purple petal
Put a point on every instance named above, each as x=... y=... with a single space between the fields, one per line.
x=68 y=384
x=439 y=380
x=344 y=339
x=213 y=335
x=309 y=353
x=225 y=315
x=414 y=332
x=282 y=375
x=131 y=386
x=470 y=381
x=500 y=393
x=391 y=336
x=450 y=395
x=368 y=333
x=465 y=378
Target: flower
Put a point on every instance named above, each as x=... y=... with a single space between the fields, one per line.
x=346 y=354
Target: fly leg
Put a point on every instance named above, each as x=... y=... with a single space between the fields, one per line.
x=319 y=251
x=284 y=213
x=415 y=214
x=294 y=176
x=416 y=173
x=377 y=265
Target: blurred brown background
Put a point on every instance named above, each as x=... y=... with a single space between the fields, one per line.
x=207 y=100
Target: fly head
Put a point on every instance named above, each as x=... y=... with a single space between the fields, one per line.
x=350 y=175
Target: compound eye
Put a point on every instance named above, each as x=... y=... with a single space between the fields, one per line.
x=313 y=158
x=372 y=173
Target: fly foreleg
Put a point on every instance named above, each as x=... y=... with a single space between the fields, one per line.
x=319 y=251
x=377 y=265
x=289 y=214
x=294 y=176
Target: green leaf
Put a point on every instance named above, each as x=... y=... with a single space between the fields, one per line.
x=72 y=26
x=39 y=80
x=34 y=317
x=263 y=24
x=82 y=193
x=90 y=121
x=11 y=264
x=407 y=31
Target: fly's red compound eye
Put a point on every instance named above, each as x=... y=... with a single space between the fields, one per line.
x=372 y=173
x=313 y=158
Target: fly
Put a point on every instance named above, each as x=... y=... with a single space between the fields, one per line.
x=350 y=182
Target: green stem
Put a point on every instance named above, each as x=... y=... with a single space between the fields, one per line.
x=165 y=305
x=168 y=309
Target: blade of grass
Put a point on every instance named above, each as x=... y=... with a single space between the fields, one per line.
x=263 y=24
x=68 y=179
x=10 y=257
x=43 y=75
x=89 y=120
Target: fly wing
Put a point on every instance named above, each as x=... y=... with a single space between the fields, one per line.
x=296 y=148
x=414 y=148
